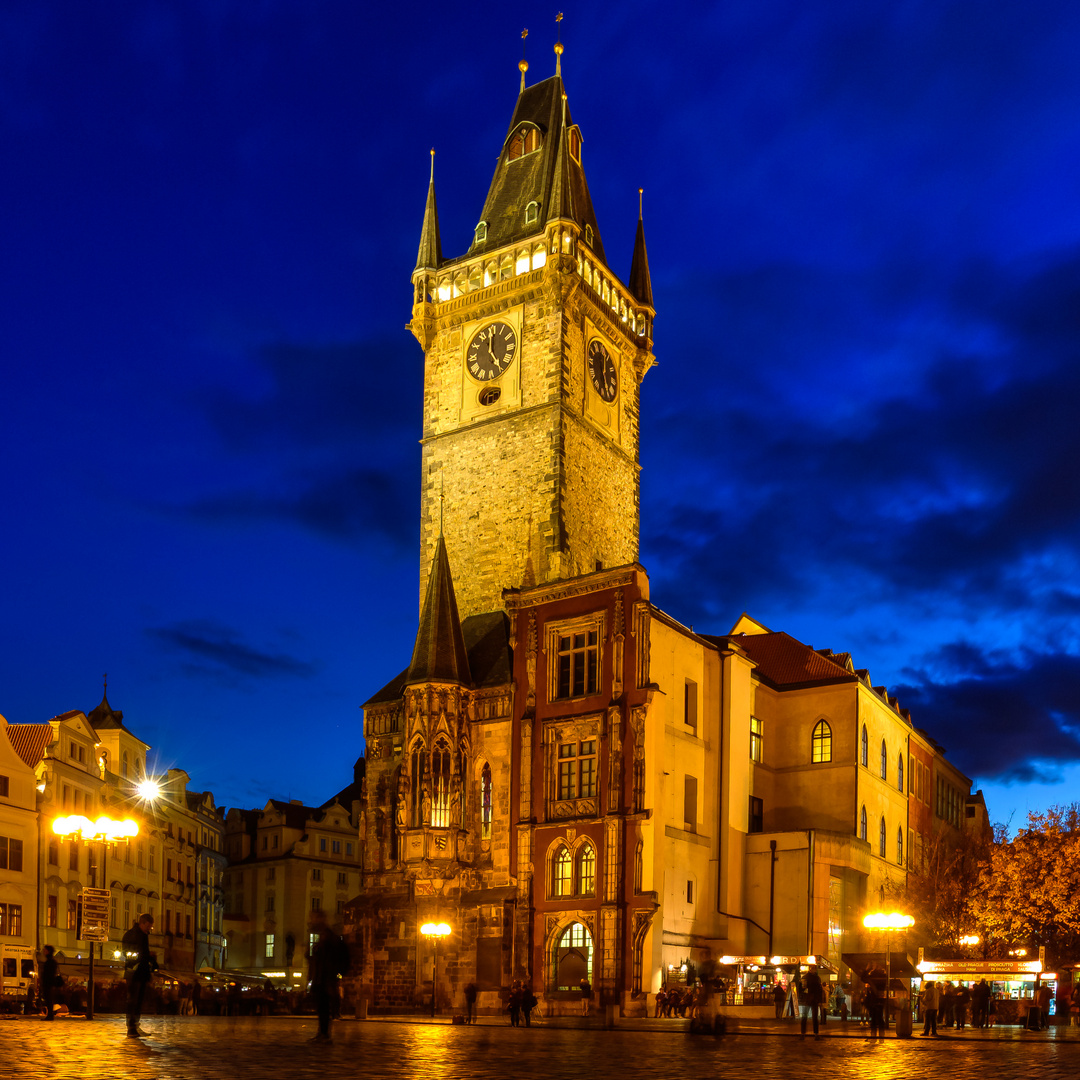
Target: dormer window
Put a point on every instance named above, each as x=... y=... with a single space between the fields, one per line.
x=481 y=232
x=575 y=144
x=524 y=141
x=588 y=235
x=532 y=212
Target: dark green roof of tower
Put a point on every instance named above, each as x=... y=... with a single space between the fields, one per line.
x=439 y=654
x=640 y=283
x=550 y=176
x=430 y=254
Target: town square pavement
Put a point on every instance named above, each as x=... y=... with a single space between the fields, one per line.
x=225 y=1048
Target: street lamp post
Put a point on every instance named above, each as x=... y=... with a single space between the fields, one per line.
x=888 y=921
x=434 y=931
x=95 y=906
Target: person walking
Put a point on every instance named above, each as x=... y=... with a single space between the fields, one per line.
x=931 y=999
x=528 y=1002
x=811 y=1002
x=328 y=961
x=48 y=979
x=514 y=1005
x=470 y=1003
x=139 y=967
x=874 y=997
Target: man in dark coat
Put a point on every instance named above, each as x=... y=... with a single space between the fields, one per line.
x=48 y=974
x=139 y=967
x=326 y=964
x=811 y=1003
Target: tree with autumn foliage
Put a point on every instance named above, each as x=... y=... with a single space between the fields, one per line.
x=1028 y=888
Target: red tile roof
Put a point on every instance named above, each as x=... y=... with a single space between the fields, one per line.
x=784 y=661
x=30 y=741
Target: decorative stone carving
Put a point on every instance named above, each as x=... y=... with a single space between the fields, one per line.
x=618 y=636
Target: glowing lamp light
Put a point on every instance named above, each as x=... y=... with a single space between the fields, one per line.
x=148 y=789
x=431 y=929
x=892 y=920
x=970 y=939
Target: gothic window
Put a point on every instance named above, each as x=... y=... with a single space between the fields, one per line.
x=821 y=743
x=577 y=770
x=865 y=750
x=440 y=786
x=124 y=763
x=476 y=277
x=539 y=256
x=523 y=142
x=562 y=879
x=417 y=780
x=589 y=238
x=756 y=739
x=586 y=870
x=573 y=957
x=575 y=144
x=862 y=824
x=881 y=838
x=639 y=861
x=900 y=847
x=900 y=772
x=506 y=267
x=884 y=761
x=485 y=803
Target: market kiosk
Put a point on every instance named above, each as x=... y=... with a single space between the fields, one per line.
x=1012 y=983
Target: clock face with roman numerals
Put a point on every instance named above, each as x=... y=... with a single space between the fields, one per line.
x=491 y=351
x=602 y=371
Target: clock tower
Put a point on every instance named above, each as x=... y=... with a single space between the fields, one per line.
x=534 y=352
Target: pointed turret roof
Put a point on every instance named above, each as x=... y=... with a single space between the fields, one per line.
x=105 y=716
x=552 y=176
x=640 y=283
x=439 y=654
x=430 y=254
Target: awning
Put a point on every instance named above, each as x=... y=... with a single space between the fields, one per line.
x=903 y=967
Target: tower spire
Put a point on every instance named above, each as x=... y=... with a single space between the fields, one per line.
x=439 y=654
x=430 y=254
x=640 y=282
x=523 y=64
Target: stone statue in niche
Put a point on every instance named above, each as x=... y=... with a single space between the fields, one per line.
x=401 y=810
x=425 y=807
x=455 y=809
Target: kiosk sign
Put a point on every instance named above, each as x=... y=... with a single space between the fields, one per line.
x=94 y=904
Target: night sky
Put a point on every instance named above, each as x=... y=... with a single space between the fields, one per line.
x=863 y=223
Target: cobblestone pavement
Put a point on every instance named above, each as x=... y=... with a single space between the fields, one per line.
x=222 y=1048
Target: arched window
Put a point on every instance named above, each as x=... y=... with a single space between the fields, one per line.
x=884 y=761
x=865 y=749
x=900 y=772
x=639 y=861
x=588 y=238
x=440 y=786
x=532 y=212
x=485 y=803
x=524 y=141
x=417 y=780
x=575 y=144
x=573 y=957
x=821 y=742
x=862 y=824
x=481 y=232
x=881 y=839
x=124 y=763
x=586 y=870
x=900 y=847
x=562 y=878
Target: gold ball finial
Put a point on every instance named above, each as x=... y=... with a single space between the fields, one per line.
x=558 y=48
x=523 y=66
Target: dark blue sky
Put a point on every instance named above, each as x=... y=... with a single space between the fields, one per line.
x=864 y=233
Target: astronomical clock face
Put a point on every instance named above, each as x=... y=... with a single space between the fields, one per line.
x=602 y=371
x=491 y=351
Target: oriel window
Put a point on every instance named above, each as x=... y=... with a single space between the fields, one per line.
x=577 y=770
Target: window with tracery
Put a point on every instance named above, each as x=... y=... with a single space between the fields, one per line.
x=485 y=803
x=586 y=870
x=562 y=879
x=440 y=786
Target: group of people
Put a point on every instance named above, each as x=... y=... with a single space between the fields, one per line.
x=682 y=1002
x=522 y=1000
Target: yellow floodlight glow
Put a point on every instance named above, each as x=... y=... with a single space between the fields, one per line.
x=892 y=920
x=431 y=929
x=970 y=939
x=105 y=828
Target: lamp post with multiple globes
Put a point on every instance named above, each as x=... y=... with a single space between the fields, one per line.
x=95 y=922
x=434 y=931
x=888 y=921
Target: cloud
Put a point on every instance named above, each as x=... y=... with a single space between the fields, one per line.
x=356 y=503
x=218 y=651
x=1014 y=718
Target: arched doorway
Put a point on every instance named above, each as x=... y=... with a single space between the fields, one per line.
x=573 y=957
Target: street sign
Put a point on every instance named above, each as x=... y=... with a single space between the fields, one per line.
x=94 y=910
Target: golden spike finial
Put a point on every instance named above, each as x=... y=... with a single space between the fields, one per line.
x=558 y=46
x=433 y=164
x=523 y=64
x=640 y=192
